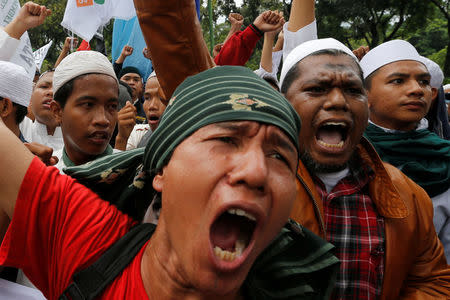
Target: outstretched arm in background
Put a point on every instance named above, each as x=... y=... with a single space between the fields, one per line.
x=301 y=26
x=175 y=39
x=69 y=44
x=239 y=47
x=30 y=15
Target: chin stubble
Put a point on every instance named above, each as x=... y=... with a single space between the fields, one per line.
x=315 y=167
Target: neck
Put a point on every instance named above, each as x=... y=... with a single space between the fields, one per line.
x=78 y=158
x=160 y=264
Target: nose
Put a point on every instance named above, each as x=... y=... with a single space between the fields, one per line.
x=250 y=169
x=153 y=103
x=336 y=100
x=415 y=88
x=101 y=117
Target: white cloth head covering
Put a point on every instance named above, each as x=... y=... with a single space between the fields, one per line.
x=437 y=76
x=387 y=53
x=81 y=63
x=309 y=47
x=15 y=84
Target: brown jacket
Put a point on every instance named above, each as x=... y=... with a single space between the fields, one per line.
x=415 y=265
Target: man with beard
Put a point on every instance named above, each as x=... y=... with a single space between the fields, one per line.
x=380 y=221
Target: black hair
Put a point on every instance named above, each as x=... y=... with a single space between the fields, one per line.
x=368 y=80
x=293 y=73
x=21 y=112
x=65 y=91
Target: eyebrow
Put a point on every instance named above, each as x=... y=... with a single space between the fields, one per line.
x=87 y=97
x=405 y=75
x=275 y=137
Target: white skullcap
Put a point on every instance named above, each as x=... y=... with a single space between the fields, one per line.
x=152 y=74
x=437 y=76
x=15 y=84
x=447 y=86
x=309 y=47
x=81 y=63
x=387 y=53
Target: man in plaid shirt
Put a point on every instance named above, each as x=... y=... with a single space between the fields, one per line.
x=378 y=219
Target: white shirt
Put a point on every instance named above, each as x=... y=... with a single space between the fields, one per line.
x=293 y=39
x=136 y=135
x=8 y=45
x=331 y=179
x=37 y=132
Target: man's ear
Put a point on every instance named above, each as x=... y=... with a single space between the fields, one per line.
x=158 y=181
x=6 y=107
x=57 y=111
x=434 y=93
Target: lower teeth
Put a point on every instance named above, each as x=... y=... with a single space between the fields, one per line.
x=339 y=145
x=230 y=256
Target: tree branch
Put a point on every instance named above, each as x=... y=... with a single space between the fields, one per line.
x=441 y=8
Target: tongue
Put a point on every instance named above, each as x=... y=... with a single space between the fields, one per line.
x=329 y=136
x=225 y=232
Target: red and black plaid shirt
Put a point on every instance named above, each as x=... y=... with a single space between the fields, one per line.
x=355 y=228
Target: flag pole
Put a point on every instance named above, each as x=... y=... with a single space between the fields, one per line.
x=211 y=30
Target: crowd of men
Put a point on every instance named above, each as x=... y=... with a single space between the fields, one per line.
x=208 y=180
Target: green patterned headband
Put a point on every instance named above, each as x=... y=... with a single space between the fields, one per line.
x=220 y=94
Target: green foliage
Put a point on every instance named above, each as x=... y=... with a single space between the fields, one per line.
x=439 y=57
x=374 y=22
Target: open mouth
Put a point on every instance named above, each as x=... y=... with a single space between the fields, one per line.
x=99 y=136
x=332 y=134
x=153 y=119
x=231 y=234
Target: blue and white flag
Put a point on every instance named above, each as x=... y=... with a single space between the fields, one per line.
x=129 y=33
x=84 y=17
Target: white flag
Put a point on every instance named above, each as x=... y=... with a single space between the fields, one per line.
x=84 y=17
x=40 y=54
x=24 y=53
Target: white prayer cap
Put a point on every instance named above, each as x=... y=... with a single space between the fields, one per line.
x=437 y=76
x=15 y=84
x=81 y=63
x=387 y=53
x=309 y=47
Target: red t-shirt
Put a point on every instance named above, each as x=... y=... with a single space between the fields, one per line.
x=60 y=227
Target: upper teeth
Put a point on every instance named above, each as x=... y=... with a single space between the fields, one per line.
x=242 y=213
x=336 y=124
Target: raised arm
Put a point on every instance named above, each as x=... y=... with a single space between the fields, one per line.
x=301 y=26
x=30 y=15
x=69 y=43
x=14 y=161
x=174 y=37
x=302 y=14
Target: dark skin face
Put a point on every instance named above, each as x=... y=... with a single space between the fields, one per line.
x=41 y=98
x=135 y=82
x=89 y=116
x=400 y=95
x=328 y=95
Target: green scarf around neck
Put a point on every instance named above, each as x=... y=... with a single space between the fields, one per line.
x=69 y=163
x=420 y=154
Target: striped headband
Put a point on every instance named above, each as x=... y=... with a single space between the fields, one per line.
x=226 y=93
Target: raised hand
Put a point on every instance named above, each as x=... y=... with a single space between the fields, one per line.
x=269 y=21
x=30 y=15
